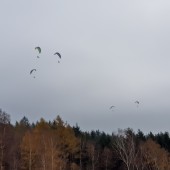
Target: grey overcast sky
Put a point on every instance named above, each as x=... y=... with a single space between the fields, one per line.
x=113 y=53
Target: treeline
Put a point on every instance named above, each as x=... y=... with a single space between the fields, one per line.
x=55 y=145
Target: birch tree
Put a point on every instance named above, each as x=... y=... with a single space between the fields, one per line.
x=125 y=147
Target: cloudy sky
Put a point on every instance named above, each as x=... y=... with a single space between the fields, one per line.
x=113 y=53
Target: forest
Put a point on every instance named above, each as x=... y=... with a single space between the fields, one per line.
x=55 y=145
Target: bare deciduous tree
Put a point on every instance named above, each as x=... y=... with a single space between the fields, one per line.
x=125 y=147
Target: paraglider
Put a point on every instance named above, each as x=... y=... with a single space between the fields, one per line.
x=38 y=48
x=137 y=103
x=112 y=108
x=58 y=54
x=32 y=71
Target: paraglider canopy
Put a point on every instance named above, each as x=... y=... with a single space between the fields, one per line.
x=111 y=107
x=137 y=102
x=38 y=48
x=32 y=71
x=58 y=54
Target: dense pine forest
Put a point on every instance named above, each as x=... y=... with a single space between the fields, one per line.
x=55 y=145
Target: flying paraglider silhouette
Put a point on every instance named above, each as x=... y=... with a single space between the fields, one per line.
x=32 y=71
x=59 y=55
x=137 y=103
x=111 y=107
x=39 y=50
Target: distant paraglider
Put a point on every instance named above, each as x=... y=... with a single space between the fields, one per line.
x=112 y=107
x=137 y=103
x=59 y=55
x=39 y=50
x=32 y=71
